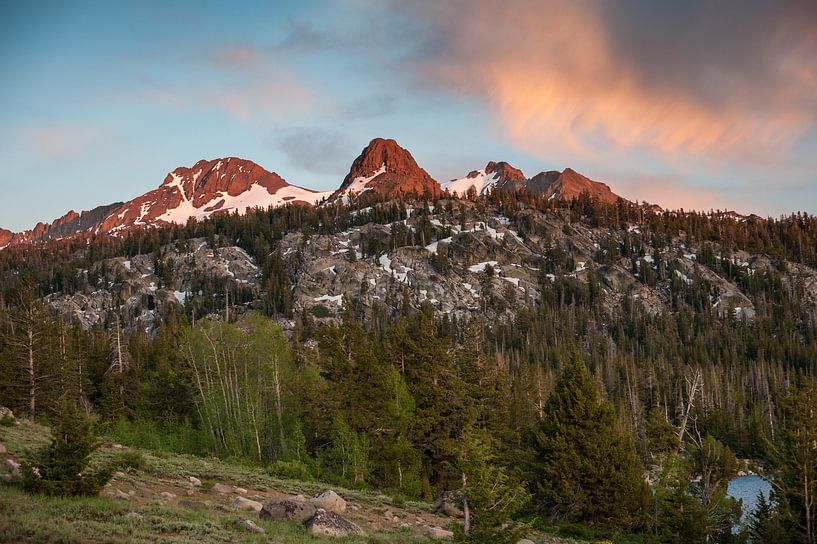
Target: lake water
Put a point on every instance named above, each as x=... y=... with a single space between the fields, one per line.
x=747 y=489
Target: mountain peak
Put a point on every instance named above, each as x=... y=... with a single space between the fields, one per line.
x=495 y=175
x=384 y=168
x=569 y=184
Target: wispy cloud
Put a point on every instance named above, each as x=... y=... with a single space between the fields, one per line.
x=567 y=77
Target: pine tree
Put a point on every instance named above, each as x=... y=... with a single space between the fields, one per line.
x=794 y=457
x=490 y=494
x=586 y=471
x=60 y=469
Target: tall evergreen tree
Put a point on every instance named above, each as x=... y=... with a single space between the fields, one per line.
x=584 y=469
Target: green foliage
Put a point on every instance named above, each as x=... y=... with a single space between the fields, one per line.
x=794 y=459
x=765 y=524
x=585 y=470
x=291 y=470
x=129 y=460
x=238 y=371
x=165 y=435
x=61 y=468
x=662 y=437
x=678 y=517
x=491 y=494
x=349 y=452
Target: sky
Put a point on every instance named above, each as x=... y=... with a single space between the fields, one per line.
x=695 y=105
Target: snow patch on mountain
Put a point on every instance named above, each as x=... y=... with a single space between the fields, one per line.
x=481 y=181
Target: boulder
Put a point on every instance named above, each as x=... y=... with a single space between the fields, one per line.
x=6 y=413
x=240 y=503
x=2 y=448
x=330 y=501
x=240 y=490
x=195 y=482
x=437 y=532
x=248 y=525
x=13 y=467
x=290 y=509
x=167 y=495
x=325 y=523
x=222 y=488
x=448 y=503
x=119 y=494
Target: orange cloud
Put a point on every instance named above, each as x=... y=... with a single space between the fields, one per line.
x=556 y=81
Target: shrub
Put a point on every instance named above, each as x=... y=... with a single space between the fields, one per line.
x=291 y=470
x=60 y=468
x=129 y=460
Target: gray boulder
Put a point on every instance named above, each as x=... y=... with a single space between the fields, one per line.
x=248 y=525
x=449 y=504
x=222 y=488
x=437 y=532
x=240 y=503
x=330 y=501
x=289 y=509
x=14 y=468
x=325 y=523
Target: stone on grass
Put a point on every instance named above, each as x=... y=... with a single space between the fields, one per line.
x=330 y=501
x=240 y=503
x=240 y=490
x=2 y=448
x=437 y=532
x=289 y=509
x=325 y=523
x=195 y=482
x=167 y=495
x=222 y=488
x=248 y=525
x=6 y=413
x=448 y=503
x=13 y=467
x=119 y=494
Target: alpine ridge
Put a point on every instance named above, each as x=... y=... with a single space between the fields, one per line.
x=209 y=187
x=234 y=185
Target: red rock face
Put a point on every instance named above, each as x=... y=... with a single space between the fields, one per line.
x=569 y=184
x=388 y=170
x=508 y=176
x=5 y=237
x=207 y=187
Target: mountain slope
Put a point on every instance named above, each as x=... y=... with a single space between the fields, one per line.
x=209 y=187
x=384 y=168
x=495 y=175
x=569 y=184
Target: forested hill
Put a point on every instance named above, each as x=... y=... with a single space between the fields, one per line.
x=418 y=325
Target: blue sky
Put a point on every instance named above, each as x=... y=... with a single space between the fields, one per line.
x=101 y=100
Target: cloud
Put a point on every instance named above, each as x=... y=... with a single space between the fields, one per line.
x=64 y=141
x=590 y=80
x=316 y=150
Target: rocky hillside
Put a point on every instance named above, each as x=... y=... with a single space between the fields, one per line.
x=474 y=262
